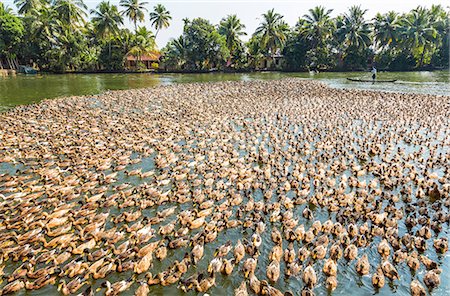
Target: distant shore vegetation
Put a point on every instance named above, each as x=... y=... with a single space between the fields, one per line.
x=63 y=36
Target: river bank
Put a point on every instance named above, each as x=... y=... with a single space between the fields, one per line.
x=284 y=184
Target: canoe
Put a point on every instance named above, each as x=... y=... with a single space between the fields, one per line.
x=370 y=80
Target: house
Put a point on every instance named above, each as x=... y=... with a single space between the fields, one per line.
x=270 y=62
x=147 y=60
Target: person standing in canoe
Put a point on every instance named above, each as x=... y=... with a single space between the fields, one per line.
x=374 y=73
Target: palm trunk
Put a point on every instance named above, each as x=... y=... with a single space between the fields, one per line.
x=1 y=65
x=422 y=56
x=135 y=27
x=109 y=50
x=157 y=31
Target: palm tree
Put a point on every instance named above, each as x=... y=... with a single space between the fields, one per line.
x=273 y=31
x=317 y=25
x=352 y=30
x=144 y=43
x=386 y=29
x=4 y=9
x=232 y=28
x=44 y=24
x=25 y=6
x=418 y=31
x=71 y=12
x=160 y=18
x=106 y=19
x=134 y=10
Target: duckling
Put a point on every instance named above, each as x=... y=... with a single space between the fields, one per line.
x=413 y=261
x=276 y=236
x=276 y=253
x=429 y=264
x=319 y=252
x=13 y=287
x=336 y=252
x=223 y=250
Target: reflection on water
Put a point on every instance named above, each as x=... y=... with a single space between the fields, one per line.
x=28 y=89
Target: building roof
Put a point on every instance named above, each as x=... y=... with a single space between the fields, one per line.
x=154 y=57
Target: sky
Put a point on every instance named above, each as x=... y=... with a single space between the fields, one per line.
x=249 y=11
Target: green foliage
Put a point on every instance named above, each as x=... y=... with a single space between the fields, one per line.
x=57 y=35
x=11 y=32
x=160 y=18
x=200 y=47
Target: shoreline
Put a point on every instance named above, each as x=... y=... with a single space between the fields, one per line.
x=241 y=71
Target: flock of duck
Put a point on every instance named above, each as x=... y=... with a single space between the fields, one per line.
x=280 y=187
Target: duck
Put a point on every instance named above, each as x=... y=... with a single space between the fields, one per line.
x=331 y=283
x=309 y=276
x=249 y=266
x=330 y=267
x=239 y=251
x=205 y=283
x=117 y=287
x=363 y=265
x=378 y=279
x=432 y=278
x=273 y=271
x=241 y=290
x=351 y=252
x=417 y=289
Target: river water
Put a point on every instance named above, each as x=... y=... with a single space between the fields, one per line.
x=28 y=89
x=31 y=89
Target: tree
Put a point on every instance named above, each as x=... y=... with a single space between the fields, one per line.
x=273 y=31
x=418 y=32
x=386 y=29
x=353 y=36
x=175 y=53
x=316 y=26
x=160 y=18
x=11 y=32
x=134 y=10
x=26 y=6
x=71 y=12
x=106 y=19
x=232 y=28
x=204 y=47
x=144 y=43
